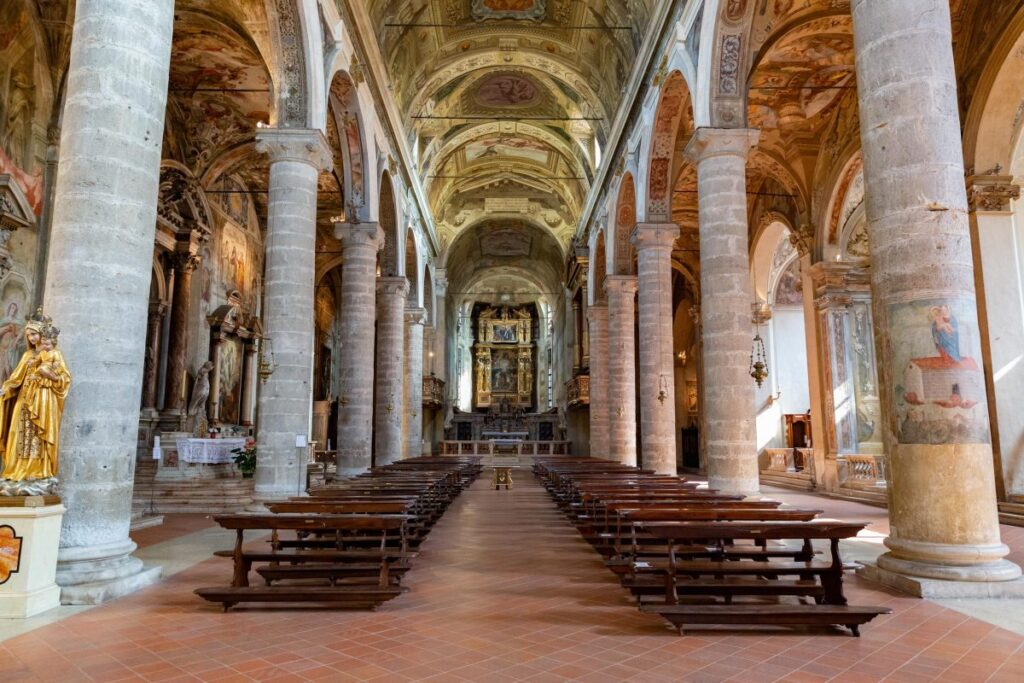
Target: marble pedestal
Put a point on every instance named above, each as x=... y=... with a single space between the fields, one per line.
x=30 y=588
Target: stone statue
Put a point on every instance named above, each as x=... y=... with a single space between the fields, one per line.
x=200 y=393
x=31 y=405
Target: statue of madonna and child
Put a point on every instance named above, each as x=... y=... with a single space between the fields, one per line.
x=31 y=405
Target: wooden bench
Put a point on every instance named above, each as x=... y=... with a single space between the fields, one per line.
x=368 y=564
x=749 y=577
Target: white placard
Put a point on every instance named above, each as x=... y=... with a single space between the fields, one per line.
x=507 y=204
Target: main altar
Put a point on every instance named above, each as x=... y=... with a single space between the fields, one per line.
x=504 y=354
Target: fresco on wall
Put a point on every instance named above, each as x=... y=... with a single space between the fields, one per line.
x=15 y=296
x=509 y=9
x=230 y=352
x=789 y=289
x=939 y=390
x=235 y=262
x=18 y=103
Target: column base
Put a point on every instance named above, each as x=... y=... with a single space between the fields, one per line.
x=96 y=574
x=923 y=587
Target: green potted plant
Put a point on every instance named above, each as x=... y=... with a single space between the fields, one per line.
x=245 y=458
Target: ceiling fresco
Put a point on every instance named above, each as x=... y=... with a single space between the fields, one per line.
x=508 y=101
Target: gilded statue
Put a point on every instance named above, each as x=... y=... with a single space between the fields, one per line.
x=31 y=405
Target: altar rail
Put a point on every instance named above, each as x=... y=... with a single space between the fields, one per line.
x=790 y=460
x=862 y=471
x=488 y=448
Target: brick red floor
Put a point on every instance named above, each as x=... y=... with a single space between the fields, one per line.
x=504 y=590
x=174 y=526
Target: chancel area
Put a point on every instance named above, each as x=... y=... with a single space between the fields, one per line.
x=632 y=340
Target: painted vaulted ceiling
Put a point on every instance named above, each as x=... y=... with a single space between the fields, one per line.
x=508 y=103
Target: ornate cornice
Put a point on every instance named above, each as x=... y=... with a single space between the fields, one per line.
x=654 y=236
x=355 y=234
x=302 y=145
x=392 y=286
x=712 y=142
x=991 y=193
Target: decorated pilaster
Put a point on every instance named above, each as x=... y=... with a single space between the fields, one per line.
x=621 y=293
x=391 y=296
x=285 y=409
x=653 y=243
x=942 y=497
x=98 y=277
x=360 y=243
x=995 y=234
x=414 y=320
x=599 y=435
x=730 y=442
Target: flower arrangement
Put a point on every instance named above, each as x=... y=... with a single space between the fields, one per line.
x=245 y=458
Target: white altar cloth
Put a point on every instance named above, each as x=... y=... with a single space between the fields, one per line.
x=208 y=451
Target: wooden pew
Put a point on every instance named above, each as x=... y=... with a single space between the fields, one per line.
x=743 y=577
x=374 y=564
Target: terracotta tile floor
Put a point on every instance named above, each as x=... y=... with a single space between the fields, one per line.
x=504 y=590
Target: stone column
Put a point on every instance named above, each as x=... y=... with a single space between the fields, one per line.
x=249 y=384
x=97 y=281
x=441 y=327
x=184 y=262
x=598 y=314
x=152 y=364
x=389 y=442
x=730 y=441
x=654 y=242
x=285 y=401
x=621 y=291
x=360 y=243
x=414 y=320
x=942 y=498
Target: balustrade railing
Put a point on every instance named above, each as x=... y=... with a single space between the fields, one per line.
x=492 y=447
x=792 y=460
x=862 y=471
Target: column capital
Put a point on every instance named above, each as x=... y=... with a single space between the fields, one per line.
x=415 y=316
x=304 y=145
x=393 y=286
x=620 y=284
x=184 y=260
x=712 y=142
x=991 y=193
x=157 y=309
x=356 y=234
x=654 y=236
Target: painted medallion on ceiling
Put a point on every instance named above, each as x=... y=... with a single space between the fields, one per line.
x=535 y=10
x=505 y=90
x=495 y=146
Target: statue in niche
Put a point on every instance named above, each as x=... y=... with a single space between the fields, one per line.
x=200 y=394
x=31 y=406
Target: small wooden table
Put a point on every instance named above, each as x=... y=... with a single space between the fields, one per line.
x=502 y=477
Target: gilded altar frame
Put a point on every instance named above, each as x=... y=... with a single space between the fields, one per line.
x=504 y=358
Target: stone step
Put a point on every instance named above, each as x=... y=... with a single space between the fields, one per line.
x=790 y=480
